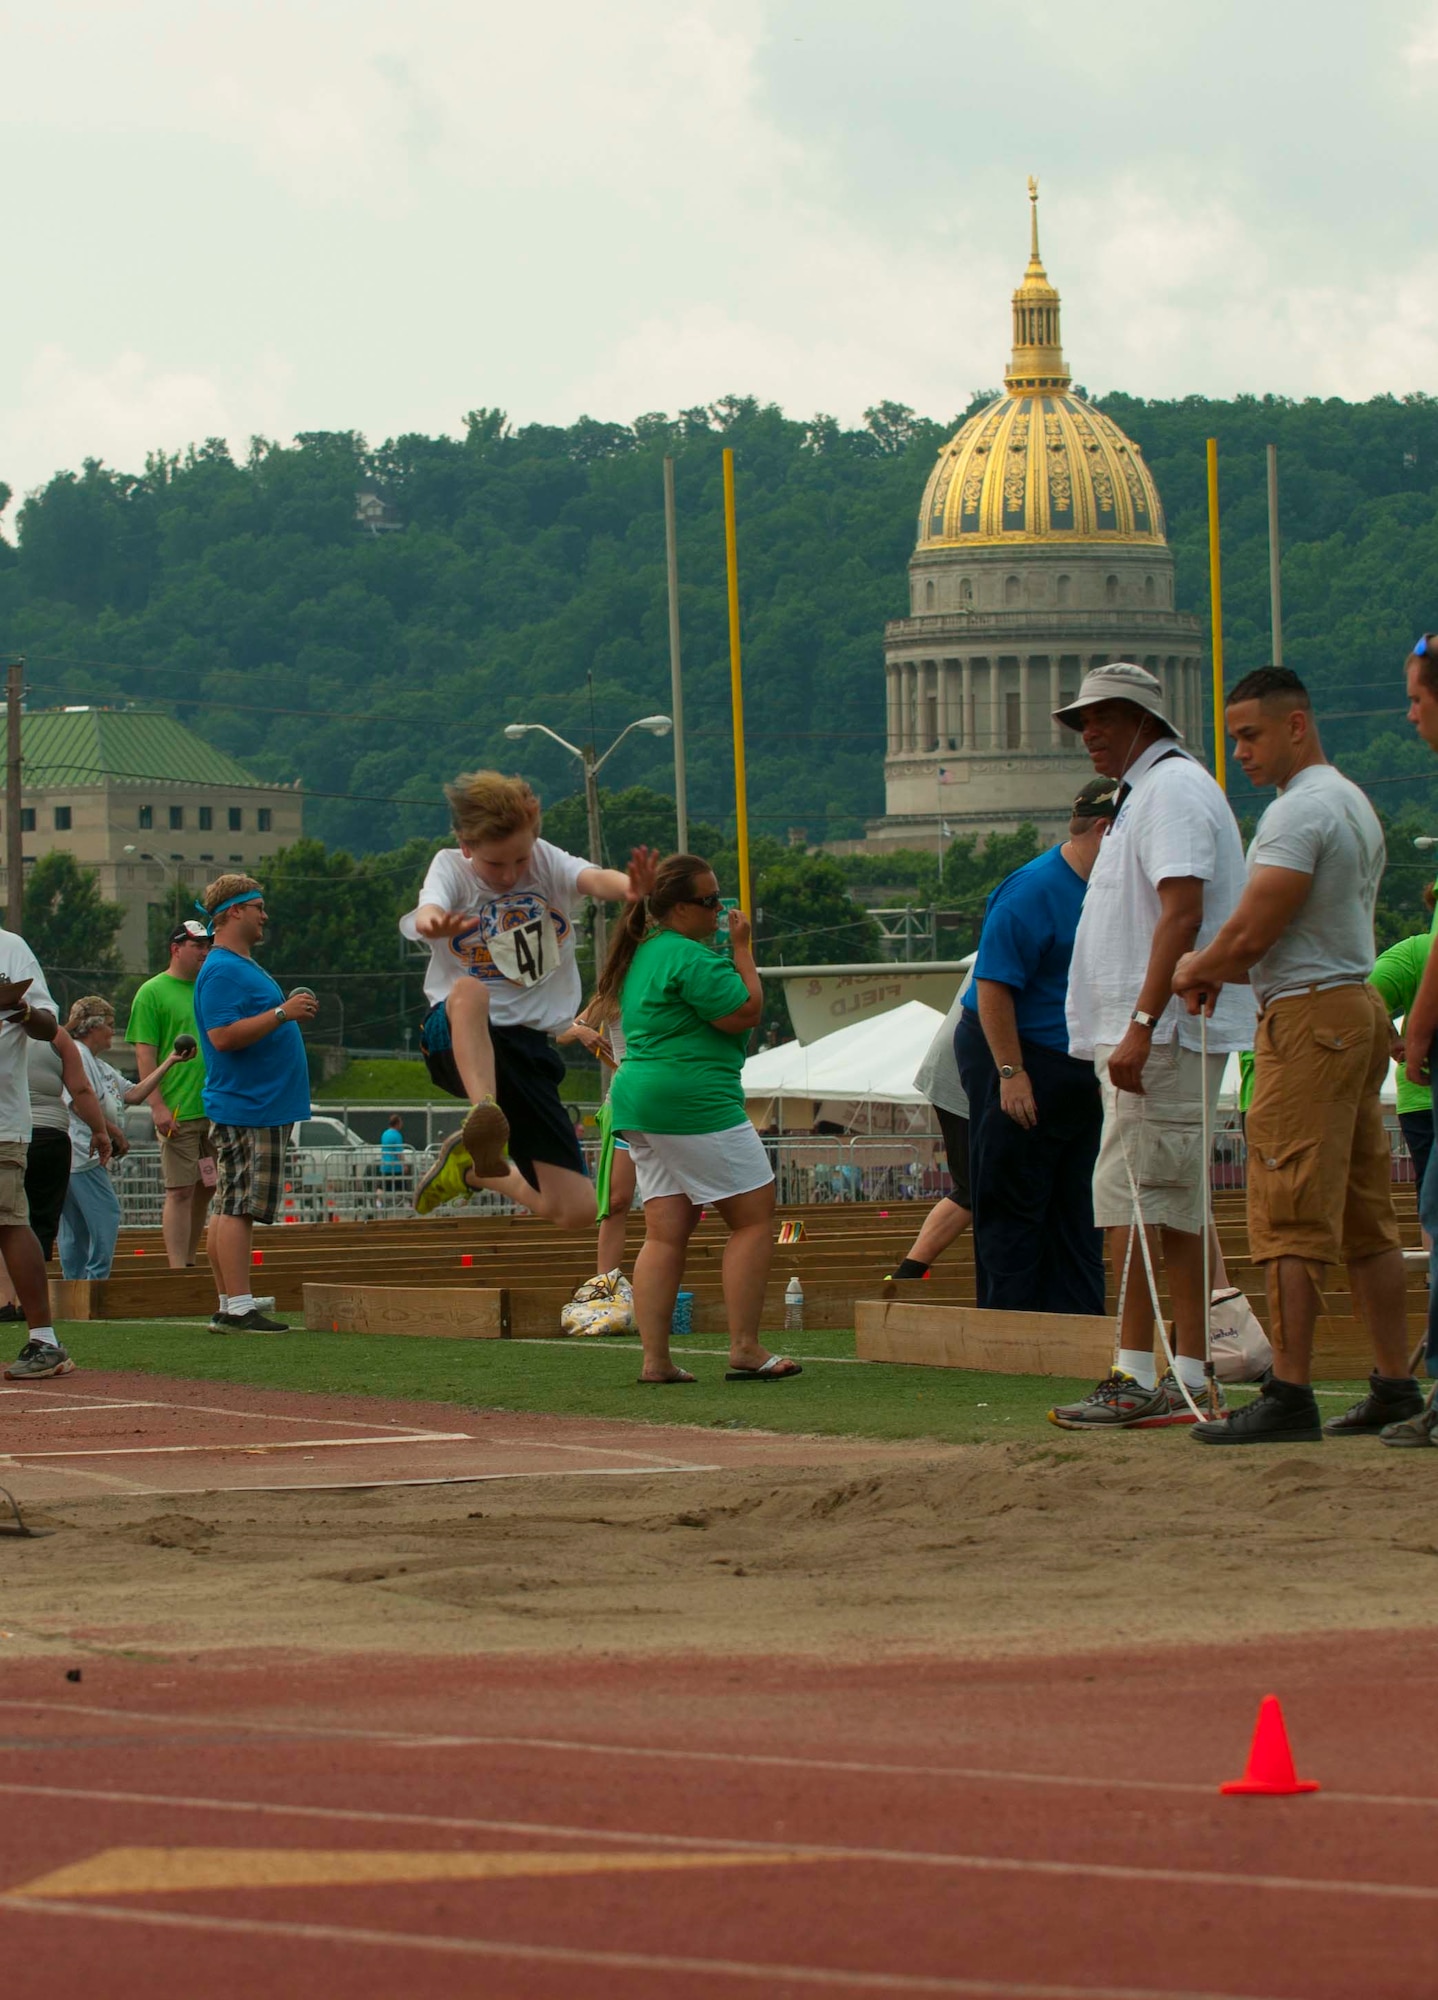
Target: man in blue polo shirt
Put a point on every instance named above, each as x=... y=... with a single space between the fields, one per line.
x=1035 y=1113
x=257 y=1085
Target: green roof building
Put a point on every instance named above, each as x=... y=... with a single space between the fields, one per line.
x=144 y=801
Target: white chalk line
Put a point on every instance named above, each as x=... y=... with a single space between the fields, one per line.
x=759 y=1760
x=629 y=1961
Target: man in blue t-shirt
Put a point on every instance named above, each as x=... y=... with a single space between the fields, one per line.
x=1035 y=1112
x=257 y=1085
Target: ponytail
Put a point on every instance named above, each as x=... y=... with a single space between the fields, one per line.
x=673 y=883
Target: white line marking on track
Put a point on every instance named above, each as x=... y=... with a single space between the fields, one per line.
x=65 y=1409
x=447 y=1479
x=628 y=1961
x=258 y=1450
x=567 y=1747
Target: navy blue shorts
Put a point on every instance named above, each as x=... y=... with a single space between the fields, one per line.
x=528 y=1070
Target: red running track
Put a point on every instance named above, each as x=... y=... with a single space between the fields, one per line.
x=1040 y=1828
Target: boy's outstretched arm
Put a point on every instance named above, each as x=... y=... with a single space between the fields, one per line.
x=430 y=921
x=609 y=886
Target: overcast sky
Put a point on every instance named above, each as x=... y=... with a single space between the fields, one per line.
x=377 y=214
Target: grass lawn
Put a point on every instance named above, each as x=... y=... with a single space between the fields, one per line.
x=595 y=1378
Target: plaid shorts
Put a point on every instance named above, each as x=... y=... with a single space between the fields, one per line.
x=250 y=1161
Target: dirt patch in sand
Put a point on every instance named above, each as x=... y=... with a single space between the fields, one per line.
x=794 y=1545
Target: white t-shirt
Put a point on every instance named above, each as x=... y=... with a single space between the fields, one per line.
x=1175 y=822
x=1323 y=826
x=17 y=961
x=528 y=929
x=110 y=1087
x=938 y=1073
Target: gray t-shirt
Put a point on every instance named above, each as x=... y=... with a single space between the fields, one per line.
x=938 y=1075
x=48 y=1107
x=1323 y=826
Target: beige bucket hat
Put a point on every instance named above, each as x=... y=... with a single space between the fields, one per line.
x=1120 y=680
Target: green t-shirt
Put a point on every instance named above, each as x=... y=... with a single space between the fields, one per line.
x=163 y=1008
x=1397 y=975
x=679 y=1074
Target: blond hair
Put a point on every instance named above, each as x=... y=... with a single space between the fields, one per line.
x=223 y=887
x=485 y=806
x=92 y=1010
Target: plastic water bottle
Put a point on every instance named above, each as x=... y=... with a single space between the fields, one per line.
x=793 y=1306
x=683 y=1319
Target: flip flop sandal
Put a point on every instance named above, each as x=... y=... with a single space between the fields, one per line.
x=775 y=1369
x=665 y=1381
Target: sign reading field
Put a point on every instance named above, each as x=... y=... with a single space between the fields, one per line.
x=822 y=998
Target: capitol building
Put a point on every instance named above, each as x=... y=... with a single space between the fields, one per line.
x=1041 y=553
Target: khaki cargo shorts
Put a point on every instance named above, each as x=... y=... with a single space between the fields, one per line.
x=14 y=1208
x=182 y=1152
x=1320 y=1175
x=1158 y=1138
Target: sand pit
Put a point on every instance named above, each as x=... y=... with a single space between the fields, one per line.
x=826 y=1546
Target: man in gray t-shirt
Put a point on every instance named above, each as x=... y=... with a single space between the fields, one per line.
x=1319 y=1179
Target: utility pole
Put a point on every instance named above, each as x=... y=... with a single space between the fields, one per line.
x=1275 y=559
x=14 y=843
x=596 y=855
x=676 y=667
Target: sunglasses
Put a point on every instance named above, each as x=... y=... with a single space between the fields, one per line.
x=1423 y=649
x=705 y=902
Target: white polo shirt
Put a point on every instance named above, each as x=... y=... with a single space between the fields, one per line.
x=1174 y=822
x=17 y=961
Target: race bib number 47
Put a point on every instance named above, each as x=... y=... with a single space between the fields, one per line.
x=526 y=952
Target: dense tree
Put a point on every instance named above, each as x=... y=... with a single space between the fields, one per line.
x=66 y=921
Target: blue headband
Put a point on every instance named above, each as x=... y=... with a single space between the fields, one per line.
x=248 y=896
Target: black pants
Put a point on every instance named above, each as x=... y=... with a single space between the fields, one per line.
x=47 y=1176
x=1035 y=1245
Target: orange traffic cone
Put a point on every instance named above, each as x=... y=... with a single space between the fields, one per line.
x=1269 y=1772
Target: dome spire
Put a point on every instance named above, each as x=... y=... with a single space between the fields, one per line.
x=1037 y=363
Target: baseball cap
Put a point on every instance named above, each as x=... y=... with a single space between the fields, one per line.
x=1120 y=680
x=1097 y=800
x=190 y=932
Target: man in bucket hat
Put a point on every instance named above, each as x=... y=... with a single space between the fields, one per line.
x=1167 y=877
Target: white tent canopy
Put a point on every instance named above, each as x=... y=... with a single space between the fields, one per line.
x=871 y=1062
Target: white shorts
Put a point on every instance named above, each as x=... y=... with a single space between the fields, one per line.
x=1161 y=1135
x=705 y=1166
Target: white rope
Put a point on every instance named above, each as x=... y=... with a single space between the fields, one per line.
x=1138 y=1229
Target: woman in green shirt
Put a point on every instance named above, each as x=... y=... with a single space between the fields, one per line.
x=1397 y=975
x=678 y=1101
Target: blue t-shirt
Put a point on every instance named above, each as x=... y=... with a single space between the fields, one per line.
x=391 y=1150
x=269 y=1082
x=1026 y=944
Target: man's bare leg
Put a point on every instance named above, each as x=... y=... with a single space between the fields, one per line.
x=1183 y=1266
x=177 y=1224
x=1136 y=1331
x=1293 y=1314
x=231 y=1239
x=1380 y=1292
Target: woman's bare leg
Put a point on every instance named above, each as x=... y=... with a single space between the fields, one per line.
x=668 y=1224
x=747 y=1257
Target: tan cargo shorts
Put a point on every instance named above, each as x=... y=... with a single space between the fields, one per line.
x=182 y=1151
x=14 y=1208
x=1158 y=1138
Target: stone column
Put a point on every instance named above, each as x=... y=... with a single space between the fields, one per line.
x=966 y=700
x=1026 y=703
x=891 y=708
x=997 y=732
x=906 y=706
x=1057 y=732
x=946 y=724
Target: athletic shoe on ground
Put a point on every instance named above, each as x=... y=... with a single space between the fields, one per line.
x=37 y=1360
x=445 y=1180
x=11 y=1315
x=1115 y=1404
x=250 y=1322
x=1386 y=1403
x=485 y=1134
x=1414 y=1431
x=1268 y=1419
x=1176 y=1410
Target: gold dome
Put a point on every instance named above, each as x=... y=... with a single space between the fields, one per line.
x=1039 y=464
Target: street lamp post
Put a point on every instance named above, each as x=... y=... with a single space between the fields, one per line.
x=656 y=725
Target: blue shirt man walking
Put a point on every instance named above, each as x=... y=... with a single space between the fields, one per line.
x=1035 y=1113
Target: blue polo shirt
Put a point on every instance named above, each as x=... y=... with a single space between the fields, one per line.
x=1026 y=944
x=269 y=1082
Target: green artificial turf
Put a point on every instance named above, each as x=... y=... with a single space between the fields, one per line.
x=595 y=1378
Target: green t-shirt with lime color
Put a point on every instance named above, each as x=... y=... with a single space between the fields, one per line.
x=163 y=1008
x=1397 y=975
x=679 y=1074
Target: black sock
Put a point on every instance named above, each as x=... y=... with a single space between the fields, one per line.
x=911 y=1268
x=1392 y=1385
x=1295 y=1394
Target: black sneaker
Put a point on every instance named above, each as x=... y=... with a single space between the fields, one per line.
x=1387 y=1402
x=253 y=1321
x=11 y=1315
x=1269 y=1419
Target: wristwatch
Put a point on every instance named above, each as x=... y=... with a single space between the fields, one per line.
x=1006 y=1070
x=280 y=1014
x=1141 y=1020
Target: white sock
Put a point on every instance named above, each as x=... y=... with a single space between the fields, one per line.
x=45 y=1335
x=1134 y=1361
x=224 y=1302
x=1190 y=1371
x=241 y=1303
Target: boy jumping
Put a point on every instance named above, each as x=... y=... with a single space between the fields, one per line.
x=496 y=914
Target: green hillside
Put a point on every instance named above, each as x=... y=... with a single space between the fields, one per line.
x=247 y=599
